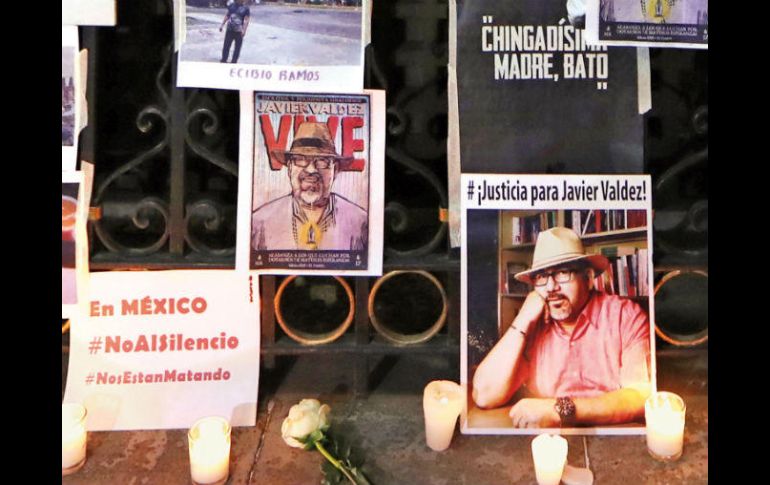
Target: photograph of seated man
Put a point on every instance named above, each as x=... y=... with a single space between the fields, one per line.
x=577 y=355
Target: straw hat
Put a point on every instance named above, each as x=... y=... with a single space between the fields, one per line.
x=313 y=138
x=558 y=246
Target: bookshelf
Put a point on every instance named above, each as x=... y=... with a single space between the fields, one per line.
x=621 y=235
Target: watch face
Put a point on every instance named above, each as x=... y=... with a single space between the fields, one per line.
x=565 y=407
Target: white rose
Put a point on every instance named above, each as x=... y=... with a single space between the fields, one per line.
x=304 y=418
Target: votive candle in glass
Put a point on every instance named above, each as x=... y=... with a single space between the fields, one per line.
x=209 y=442
x=73 y=437
x=442 y=402
x=549 y=452
x=664 y=416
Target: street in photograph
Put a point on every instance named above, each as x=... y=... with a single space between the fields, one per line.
x=254 y=32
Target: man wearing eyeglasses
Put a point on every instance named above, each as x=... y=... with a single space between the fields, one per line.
x=580 y=356
x=311 y=217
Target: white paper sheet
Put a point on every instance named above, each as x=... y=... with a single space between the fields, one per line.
x=88 y=12
x=286 y=47
x=160 y=349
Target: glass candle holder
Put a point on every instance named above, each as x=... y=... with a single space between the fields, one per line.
x=664 y=414
x=442 y=402
x=549 y=452
x=73 y=437
x=209 y=442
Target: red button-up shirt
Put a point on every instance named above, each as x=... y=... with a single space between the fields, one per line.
x=609 y=349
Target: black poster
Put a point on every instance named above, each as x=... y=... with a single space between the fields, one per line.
x=535 y=98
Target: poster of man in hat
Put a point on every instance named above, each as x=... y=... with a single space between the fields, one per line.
x=314 y=184
x=571 y=348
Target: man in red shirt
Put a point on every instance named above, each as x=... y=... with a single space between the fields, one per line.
x=583 y=355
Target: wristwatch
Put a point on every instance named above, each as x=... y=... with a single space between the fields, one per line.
x=565 y=408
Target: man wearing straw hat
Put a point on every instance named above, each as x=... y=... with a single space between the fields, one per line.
x=311 y=217
x=581 y=356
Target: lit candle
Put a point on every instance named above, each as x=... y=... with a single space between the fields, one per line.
x=442 y=402
x=73 y=437
x=664 y=414
x=209 y=441
x=549 y=452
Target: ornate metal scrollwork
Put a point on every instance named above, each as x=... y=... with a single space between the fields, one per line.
x=210 y=220
x=413 y=71
x=206 y=118
x=210 y=227
x=402 y=220
x=134 y=227
x=131 y=224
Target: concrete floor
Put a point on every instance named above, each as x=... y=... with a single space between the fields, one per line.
x=386 y=427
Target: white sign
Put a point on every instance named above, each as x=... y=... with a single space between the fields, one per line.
x=270 y=46
x=161 y=349
x=88 y=12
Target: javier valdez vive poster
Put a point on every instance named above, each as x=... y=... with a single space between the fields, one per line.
x=161 y=349
x=534 y=97
x=311 y=183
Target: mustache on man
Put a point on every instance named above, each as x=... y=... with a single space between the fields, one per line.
x=310 y=177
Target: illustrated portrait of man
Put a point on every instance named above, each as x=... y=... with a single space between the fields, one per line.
x=574 y=355
x=311 y=216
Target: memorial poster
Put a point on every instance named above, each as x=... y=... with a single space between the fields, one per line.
x=558 y=319
x=311 y=183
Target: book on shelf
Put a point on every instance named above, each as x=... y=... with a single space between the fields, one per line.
x=516 y=231
x=586 y=222
x=525 y=229
x=598 y=221
x=628 y=271
x=514 y=286
x=575 y=226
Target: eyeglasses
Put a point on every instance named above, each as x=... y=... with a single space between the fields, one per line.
x=303 y=161
x=559 y=276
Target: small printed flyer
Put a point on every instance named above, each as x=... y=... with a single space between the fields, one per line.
x=75 y=197
x=272 y=46
x=88 y=12
x=559 y=336
x=161 y=349
x=311 y=183
x=73 y=104
x=651 y=23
